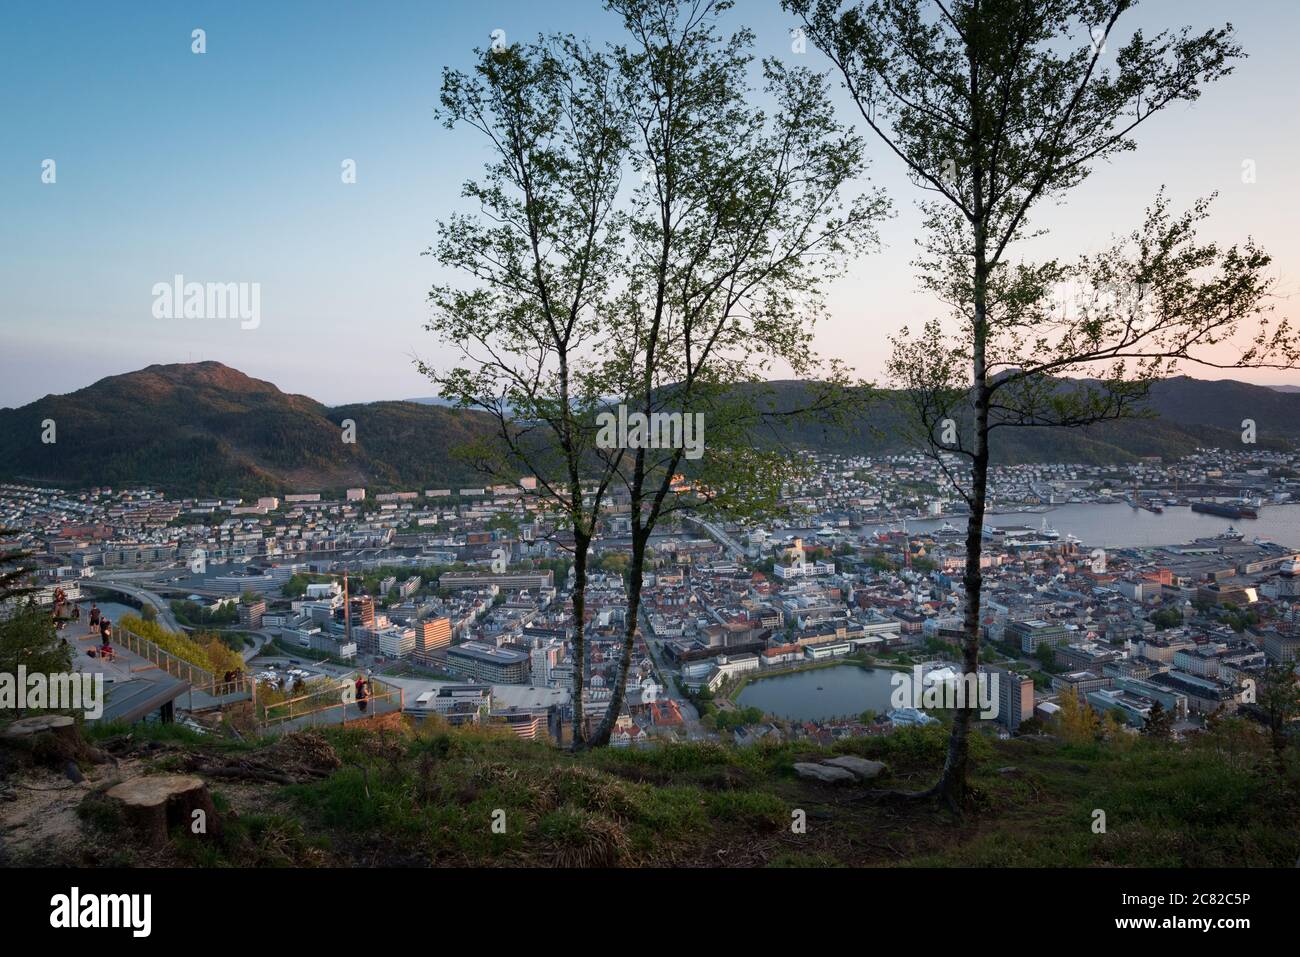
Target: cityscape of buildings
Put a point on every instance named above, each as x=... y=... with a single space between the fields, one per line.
x=462 y=598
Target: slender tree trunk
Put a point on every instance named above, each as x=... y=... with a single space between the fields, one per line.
x=581 y=545
x=952 y=783
x=601 y=737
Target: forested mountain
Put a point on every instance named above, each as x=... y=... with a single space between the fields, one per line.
x=204 y=428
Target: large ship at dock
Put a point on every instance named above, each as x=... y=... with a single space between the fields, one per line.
x=1225 y=509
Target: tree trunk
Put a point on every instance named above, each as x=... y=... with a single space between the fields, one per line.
x=639 y=539
x=952 y=783
x=25 y=731
x=49 y=740
x=155 y=803
x=580 y=547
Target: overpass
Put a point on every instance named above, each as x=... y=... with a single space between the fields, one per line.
x=142 y=597
x=718 y=535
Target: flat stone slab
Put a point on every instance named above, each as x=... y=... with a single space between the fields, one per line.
x=860 y=768
x=823 y=773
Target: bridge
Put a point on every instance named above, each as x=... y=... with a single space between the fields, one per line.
x=141 y=597
x=718 y=535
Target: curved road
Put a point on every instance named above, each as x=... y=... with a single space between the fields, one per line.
x=168 y=620
x=165 y=616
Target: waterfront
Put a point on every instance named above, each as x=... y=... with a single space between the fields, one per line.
x=820 y=693
x=1121 y=526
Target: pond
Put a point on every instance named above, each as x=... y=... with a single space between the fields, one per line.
x=821 y=693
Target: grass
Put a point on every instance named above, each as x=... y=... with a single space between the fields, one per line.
x=175 y=734
x=1165 y=805
x=425 y=794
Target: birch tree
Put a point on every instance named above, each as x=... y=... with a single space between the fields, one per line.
x=742 y=214
x=995 y=107
x=538 y=263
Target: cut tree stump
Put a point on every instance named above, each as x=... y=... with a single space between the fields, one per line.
x=26 y=730
x=154 y=803
x=51 y=740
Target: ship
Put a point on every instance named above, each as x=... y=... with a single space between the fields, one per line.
x=1048 y=532
x=1225 y=509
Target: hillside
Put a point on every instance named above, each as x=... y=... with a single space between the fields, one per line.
x=204 y=428
x=388 y=792
x=1186 y=414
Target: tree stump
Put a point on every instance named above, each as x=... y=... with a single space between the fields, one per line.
x=154 y=803
x=25 y=731
x=50 y=740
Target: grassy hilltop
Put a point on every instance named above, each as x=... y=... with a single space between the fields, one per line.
x=394 y=793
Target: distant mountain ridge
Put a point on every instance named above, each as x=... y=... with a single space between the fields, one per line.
x=206 y=429
x=431 y=400
x=1189 y=414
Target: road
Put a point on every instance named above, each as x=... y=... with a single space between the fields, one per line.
x=306 y=664
x=260 y=638
x=165 y=616
x=690 y=716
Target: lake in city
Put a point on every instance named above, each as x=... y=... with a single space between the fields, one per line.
x=821 y=693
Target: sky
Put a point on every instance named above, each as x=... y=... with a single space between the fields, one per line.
x=226 y=166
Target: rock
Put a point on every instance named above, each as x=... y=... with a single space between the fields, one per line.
x=73 y=773
x=824 y=774
x=860 y=768
x=1010 y=771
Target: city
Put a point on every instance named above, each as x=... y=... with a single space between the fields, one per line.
x=461 y=598
x=645 y=438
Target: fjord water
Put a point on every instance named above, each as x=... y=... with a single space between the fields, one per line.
x=1122 y=526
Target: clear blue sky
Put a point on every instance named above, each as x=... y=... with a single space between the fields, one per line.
x=225 y=167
